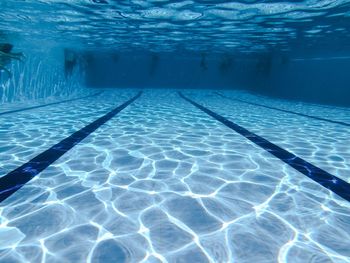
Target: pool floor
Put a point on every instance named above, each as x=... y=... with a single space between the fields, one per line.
x=163 y=181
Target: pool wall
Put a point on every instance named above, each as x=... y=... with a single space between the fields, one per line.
x=313 y=78
x=305 y=77
x=39 y=76
x=320 y=79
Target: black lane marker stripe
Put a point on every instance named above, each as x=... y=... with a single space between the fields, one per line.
x=329 y=181
x=287 y=111
x=14 y=180
x=340 y=108
x=306 y=103
x=49 y=104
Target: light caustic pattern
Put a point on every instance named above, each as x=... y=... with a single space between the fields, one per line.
x=25 y=135
x=163 y=182
x=318 y=142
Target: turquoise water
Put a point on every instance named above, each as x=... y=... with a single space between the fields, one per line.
x=174 y=131
x=164 y=182
x=218 y=26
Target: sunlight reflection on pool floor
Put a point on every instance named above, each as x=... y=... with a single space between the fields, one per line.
x=162 y=181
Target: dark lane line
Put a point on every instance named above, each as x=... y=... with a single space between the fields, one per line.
x=329 y=181
x=340 y=108
x=306 y=103
x=49 y=104
x=15 y=179
x=286 y=111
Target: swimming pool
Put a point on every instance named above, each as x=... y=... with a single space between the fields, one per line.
x=174 y=131
x=152 y=175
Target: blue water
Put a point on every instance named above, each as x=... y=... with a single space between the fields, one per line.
x=163 y=131
x=164 y=181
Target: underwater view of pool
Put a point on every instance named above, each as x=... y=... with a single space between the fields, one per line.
x=174 y=131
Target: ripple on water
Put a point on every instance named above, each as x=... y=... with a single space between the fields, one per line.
x=149 y=185
x=203 y=185
x=166 y=165
x=246 y=242
x=249 y=192
x=44 y=222
x=220 y=26
x=227 y=210
x=126 y=162
x=73 y=244
x=333 y=238
x=110 y=251
x=30 y=253
x=190 y=254
x=117 y=224
x=10 y=237
x=168 y=237
x=131 y=201
x=191 y=213
x=306 y=252
x=72 y=236
x=187 y=202
x=215 y=245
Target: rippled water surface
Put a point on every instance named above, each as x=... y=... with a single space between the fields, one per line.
x=245 y=25
x=164 y=182
x=237 y=177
